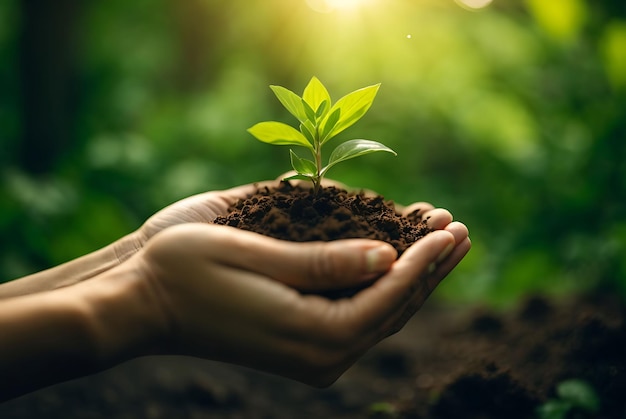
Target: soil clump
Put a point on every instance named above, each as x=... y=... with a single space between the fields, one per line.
x=296 y=213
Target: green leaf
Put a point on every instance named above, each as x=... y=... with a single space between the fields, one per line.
x=315 y=94
x=320 y=112
x=299 y=177
x=354 y=148
x=554 y=409
x=291 y=101
x=303 y=167
x=330 y=123
x=310 y=113
x=273 y=132
x=580 y=394
x=353 y=106
x=309 y=131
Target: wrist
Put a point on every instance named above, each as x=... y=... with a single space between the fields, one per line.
x=124 y=315
x=75 y=271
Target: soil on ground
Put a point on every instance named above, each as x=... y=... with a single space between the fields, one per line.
x=449 y=361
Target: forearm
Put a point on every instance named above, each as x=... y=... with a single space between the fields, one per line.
x=74 y=271
x=50 y=337
x=45 y=339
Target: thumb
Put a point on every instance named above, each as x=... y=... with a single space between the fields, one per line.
x=309 y=266
x=395 y=297
x=338 y=264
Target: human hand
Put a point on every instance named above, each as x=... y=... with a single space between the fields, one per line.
x=205 y=207
x=231 y=295
x=201 y=208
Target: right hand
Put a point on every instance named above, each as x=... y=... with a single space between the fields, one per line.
x=231 y=295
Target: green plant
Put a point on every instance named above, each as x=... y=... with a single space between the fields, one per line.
x=575 y=397
x=320 y=120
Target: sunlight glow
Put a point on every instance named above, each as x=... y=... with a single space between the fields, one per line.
x=474 y=4
x=327 y=6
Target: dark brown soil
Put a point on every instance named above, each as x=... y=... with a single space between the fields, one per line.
x=448 y=362
x=296 y=213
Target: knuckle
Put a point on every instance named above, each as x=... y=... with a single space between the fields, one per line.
x=321 y=269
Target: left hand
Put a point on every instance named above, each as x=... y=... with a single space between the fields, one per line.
x=200 y=208
x=230 y=295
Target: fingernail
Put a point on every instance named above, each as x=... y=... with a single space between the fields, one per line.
x=379 y=259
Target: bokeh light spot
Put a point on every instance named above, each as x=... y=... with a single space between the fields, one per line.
x=474 y=4
x=327 y=6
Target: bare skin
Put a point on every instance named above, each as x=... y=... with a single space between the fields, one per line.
x=181 y=286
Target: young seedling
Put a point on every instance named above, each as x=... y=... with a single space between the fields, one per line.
x=320 y=120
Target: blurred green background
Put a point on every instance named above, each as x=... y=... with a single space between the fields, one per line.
x=512 y=115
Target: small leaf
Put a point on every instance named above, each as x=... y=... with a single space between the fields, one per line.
x=554 y=409
x=580 y=394
x=330 y=123
x=273 y=132
x=320 y=112
x=354 y=148
x=299 y=177
x=315 y=93
x=302 y=166
x=306 y=130
x=310 y=113
x=311 y=128
x=291 y=101
x=353 y=106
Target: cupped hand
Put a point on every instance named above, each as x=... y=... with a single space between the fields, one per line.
x=231 y=295
x=205 y=207
x=201 y=208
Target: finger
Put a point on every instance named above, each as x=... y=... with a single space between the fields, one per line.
x=444 y=266
x=438 y=218
x=306 y=266
x=388 y=297
x=416 y=209
x=449 y=263
x=458 y=230
x=436 y=273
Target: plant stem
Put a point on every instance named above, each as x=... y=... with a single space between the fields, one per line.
x=317 y=180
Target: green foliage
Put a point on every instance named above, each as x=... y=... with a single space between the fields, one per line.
x=573 y=397
x=521 y=140
x=320 y=120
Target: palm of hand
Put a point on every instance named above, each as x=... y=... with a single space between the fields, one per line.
x=202 y=208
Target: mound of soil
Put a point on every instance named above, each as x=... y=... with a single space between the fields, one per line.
x=296 y=213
